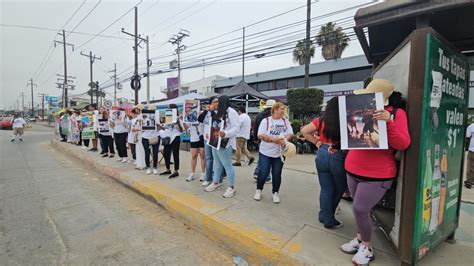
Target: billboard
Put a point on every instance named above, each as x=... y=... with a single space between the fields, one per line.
x=172 y=85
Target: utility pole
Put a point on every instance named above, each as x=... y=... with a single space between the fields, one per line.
x=22 y=104
x=115 y=82
x=307 y=44
x=65 y=65
x=148 y=65
x=32 y=103
x=177 y=39
x=42 y=95
x=92 y=58
x=61 y=80
x=243 y=53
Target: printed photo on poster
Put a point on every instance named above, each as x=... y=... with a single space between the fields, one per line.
x=149 y=120
x=118 y=115
x=171 y=116
x=103 y=125
x=359 y=130
x=160 y=116
x=214 y=138
x=191 y=111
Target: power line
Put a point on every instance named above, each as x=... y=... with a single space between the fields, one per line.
x=189 y=16
x=85 y=17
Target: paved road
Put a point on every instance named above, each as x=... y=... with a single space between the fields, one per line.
x=54 y=212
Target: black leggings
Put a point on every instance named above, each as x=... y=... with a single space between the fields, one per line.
x=133 y=147
x=146 y=146
x=107 y=144
x=121 y=144
x=172 y=147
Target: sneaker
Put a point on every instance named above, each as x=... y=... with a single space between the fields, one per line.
x=229 y=192
x=190 y=177
x=251 y=160
x=124 y=160
x=21 y=139
x=363 y=256
x=351 y=247
x=105 y=155
x=148 y=171
x=276 y=197
x=12 y=140
x=119 y=159
x=111 y=156
x=213 y=186
x=237 y=164
x=206 y=183
x=83 y=147
x=174 y=174
x=258 y=195
x=255 y=177
x=130 y=160
x=155 y=171
x=335 y=224
x=268 y=181
x=203 y=177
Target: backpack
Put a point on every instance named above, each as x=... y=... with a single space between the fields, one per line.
x=268 y=123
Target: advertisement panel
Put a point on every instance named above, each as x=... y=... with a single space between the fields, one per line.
x=445 y=106
x=172 y=85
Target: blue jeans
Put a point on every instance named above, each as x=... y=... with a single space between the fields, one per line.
x=210 y=164
x=332 y=179
x=276 y=166
x=257 y=169
x=223 y=160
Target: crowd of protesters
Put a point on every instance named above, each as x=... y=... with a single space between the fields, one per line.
x=365 y=174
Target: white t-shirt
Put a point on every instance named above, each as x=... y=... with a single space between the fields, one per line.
x=109 y=132
x=134 y=123
x=231 y=127
x=245 y=124
x=171 y=130
x=470 y=134
x=195 y=132
x=120 y=125
x=18 y=122
x=273 y=127
x=206 y=122
x=95 y=119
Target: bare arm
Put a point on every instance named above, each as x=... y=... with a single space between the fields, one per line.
x=308 y=132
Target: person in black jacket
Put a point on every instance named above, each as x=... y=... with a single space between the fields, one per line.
x=260 y=116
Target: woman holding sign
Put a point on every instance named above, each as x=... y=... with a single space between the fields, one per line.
x=119 y=125
x=106 y=135
x=228 y=118
x=370 y=173
x=171 y=140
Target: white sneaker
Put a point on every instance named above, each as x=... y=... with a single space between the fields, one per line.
x=83 y=147
x=258 y=195
x=276 y=197
x=124 y=160
x=148 y=171
x=203 y=176
x=205 y=183
x=351 y=247
x=155 y=171
x=363 y=256
x=190 y=177
x=229 y=193
x=119 y=159
x=130 y=160
x=212 y=187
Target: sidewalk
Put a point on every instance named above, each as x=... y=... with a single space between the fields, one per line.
x=261 y=232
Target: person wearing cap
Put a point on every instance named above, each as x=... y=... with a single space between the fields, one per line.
x=260 y=116
x=272 y=131
x=329 y=162
x=370 y=173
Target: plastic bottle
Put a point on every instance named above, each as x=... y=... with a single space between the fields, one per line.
x=442 y=197
x=435 y=189
x=427 y=192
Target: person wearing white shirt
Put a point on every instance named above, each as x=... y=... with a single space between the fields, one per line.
x=223 y=156
x=470 y=156
x=272 y=132
x=106 y=136
x=95 y=125
x=118 y=123
x=242 y=137
x=151 y=138
x=206 y=119
x=173 y=132
x=197 y=148
x=18 y=124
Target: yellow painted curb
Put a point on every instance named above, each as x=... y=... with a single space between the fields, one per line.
x=257 y=245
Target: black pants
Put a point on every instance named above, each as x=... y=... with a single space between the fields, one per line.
x=146 y=146
x=133 y=147
x=107 y=144
x=101 y=143
x=86 y=141
x=121 y=144
x=172 y=147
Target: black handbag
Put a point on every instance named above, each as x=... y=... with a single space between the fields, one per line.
x=224 y=142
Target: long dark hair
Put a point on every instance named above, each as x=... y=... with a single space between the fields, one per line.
x=224 y=103
x=396 y=100
x=331 y=120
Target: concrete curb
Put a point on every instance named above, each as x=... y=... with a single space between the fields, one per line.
x=257 y=245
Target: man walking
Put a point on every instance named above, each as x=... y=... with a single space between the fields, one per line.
x=470 y=157
x=17 y=125
x=242 y=137
x=260 y=116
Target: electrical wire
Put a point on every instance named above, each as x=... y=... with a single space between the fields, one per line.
x=84 y=18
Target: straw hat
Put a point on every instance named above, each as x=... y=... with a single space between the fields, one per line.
x=269 y=103
x=378 y=85
x=290 y=150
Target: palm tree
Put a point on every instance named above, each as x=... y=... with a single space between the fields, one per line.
x=298 y=52
x=332 y=40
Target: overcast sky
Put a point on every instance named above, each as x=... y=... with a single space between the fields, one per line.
x=24 y=50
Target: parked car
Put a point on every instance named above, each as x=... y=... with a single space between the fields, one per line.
x=6 y=123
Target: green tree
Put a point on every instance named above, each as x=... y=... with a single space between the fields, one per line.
x=333 y=41
x=298 y=52
x=305 y=103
